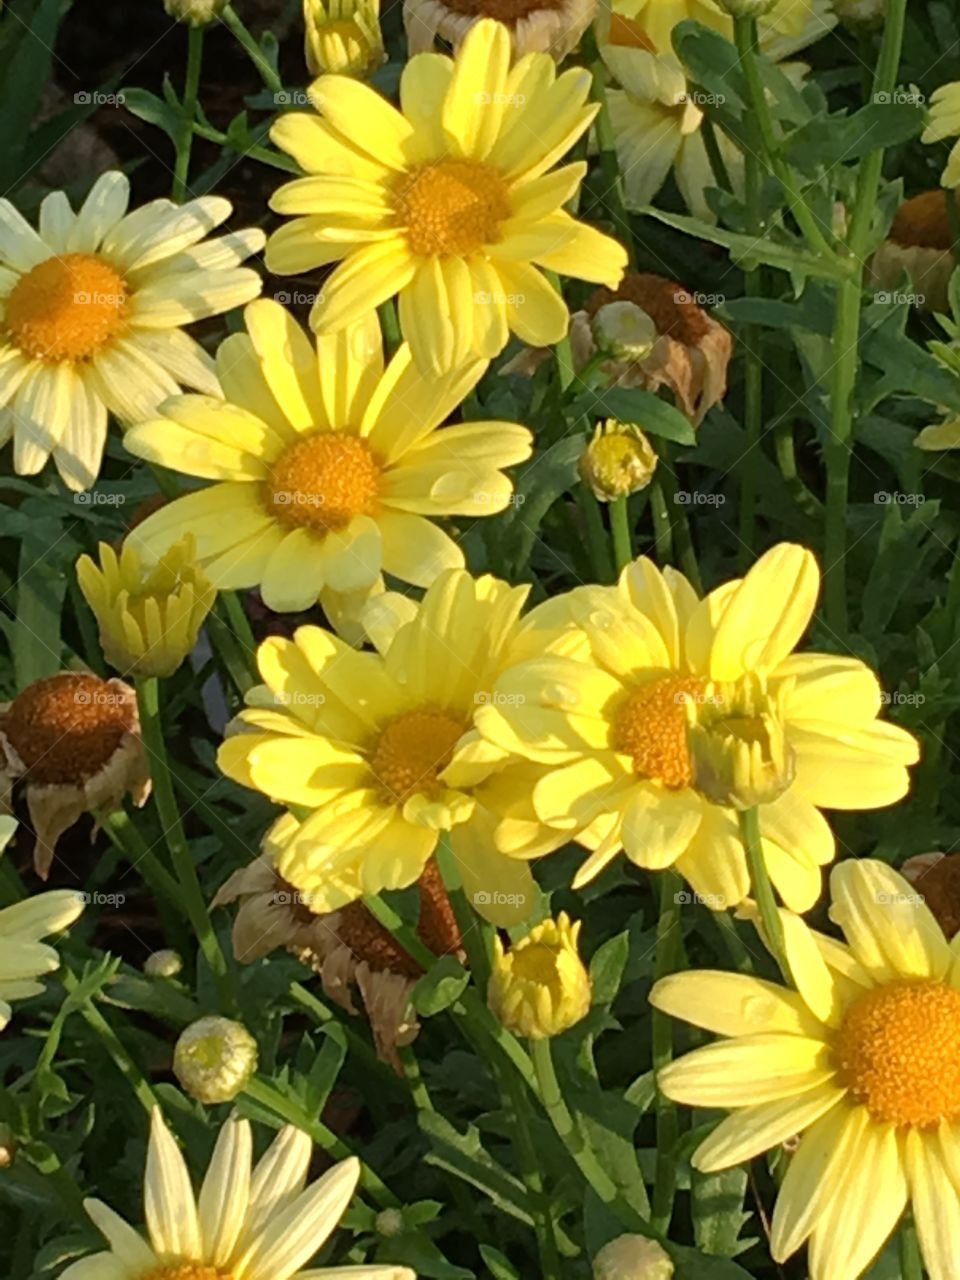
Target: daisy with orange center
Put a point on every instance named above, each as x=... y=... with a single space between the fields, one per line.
x=681 y=712
x=328 y=466
x=380 y=748
x=92 y=306
x=863 y=1061
x=452 y=203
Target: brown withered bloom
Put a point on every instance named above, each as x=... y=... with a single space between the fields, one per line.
x=920 y=246
x=687 y=351
x=349 y=949
x=937 y=880
x=535 y=26
x=74 y=740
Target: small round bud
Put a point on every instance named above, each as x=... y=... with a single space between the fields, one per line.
x=632 y=1258
x=196 y=13
x=540 y=988
x=389 y=1223
x=163 y=964
x=214 y=1059
x=8 y=1146
x=618 y=461
x=624 y=330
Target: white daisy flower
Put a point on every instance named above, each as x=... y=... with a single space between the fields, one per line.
x=248 y=1223
x=91 y=309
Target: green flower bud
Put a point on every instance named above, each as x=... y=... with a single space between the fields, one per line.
x=214 y=1058
x=163 y=964
x=196 y=13
x=389 y=1223
x=746 y=8
x=632 y=1258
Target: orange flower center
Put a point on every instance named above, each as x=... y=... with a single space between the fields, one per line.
x=412 y=752
x=66 y=728
x=67 y=308
x=323 y=481
x=669 y=305
x=186 y=1271
x=627 y=33
x=452 y=208
x=899 y=1053
x=924 y=222
x=509 y=12
x=651 y=727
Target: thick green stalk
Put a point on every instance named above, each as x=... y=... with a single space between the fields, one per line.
x=745 y=30
x=597 y=546
x=517 y=1106
x=762 y=888
x=125 y=1064
x=191 y=894
x=662 y=524
x=188 y=111
x=571 y=1135
x=620 y=531
x=668 y=1121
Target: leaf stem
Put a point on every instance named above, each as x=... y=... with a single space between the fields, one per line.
x=762 y=888
x=124 y=1062
x=620 y=530
x=231 y=19
x=188 y=111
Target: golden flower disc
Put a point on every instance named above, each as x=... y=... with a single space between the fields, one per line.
x=651 y=727
x=452 y=208
x=323 y=481
x=413 y=751
x=628 y=33
x=899 y=1053
x=67 y=727
x=924 y=222
x=67 y=308
x=669 y=305
x=509 y=12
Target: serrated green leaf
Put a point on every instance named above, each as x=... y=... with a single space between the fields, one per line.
x=464 y=1155
x=440 y=988
x=718 y=1215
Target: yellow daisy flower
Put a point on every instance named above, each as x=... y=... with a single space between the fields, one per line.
x=790 y=25
x=329 y=467
x=23 y=956
x=675 y=687
x=863 y=1060
x=262 y=1222
x=91 y=309
x=452 y=202
x=381 y=747
x=943 y=122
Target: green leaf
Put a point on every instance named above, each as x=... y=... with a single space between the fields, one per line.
x=718 y=1215
x=24 y=72
x=501 y=1268
x=147 y=106
x=639 y=408
x=41 y=587
x=440 y=988
x=607 y=968
x=545 y=478
x=463 y=1155
x=833 y=140
x=751 y=251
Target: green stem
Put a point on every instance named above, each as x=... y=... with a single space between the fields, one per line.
x=620 y=530
x=762 y=888
x=390 y=324
x=529 y=1165
x=662 y=524
x=911 y=1266
x=846 y=336
x=678 y=514
x=188 y=111
x=125 y=1064
x=148 y=699
x=785 y=447
x=231 y=654
x=253 y=50
x=474 y=931
x=571 y=1135
x=562 y=350
x=124 y=836
x=668 y=1123
x=240 y=623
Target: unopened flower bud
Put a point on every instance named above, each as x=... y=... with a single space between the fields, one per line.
x=389 y=1223
x=632 y=1258
x=8 y=1146
x=624 y=330
x=214 y=1059
x=196 y=13
x=343 y=37
x=163 y=964
x=618 y=461
x=540 y=988
x=747 y=8
x=738 y=745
